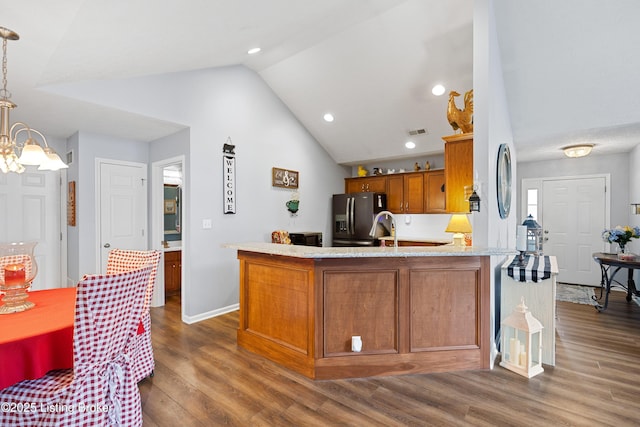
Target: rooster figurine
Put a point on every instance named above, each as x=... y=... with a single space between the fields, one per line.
x=461 y=119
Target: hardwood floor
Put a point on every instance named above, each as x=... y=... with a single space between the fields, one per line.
x=203 y=379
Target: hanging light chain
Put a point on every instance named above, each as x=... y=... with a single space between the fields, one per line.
x=4 y=93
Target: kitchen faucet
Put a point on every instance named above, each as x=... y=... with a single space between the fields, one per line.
x=372 y=232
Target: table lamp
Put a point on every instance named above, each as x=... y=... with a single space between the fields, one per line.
x=459 y=225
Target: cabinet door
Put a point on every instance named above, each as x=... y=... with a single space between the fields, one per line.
x=395 y=193
x=376 y=184
x=458 y=171
x=414 y=193
x=172 y=272
x=434 y=189
x=352 y=185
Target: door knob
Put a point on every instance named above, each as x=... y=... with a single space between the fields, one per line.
x=107 y=245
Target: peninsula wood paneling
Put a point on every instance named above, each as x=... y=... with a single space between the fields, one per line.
x=302 y=313
x=277 y=299
x=277 y=305
x=364 y=304
x=444 y=309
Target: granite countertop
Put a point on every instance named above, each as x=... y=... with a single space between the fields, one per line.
x=417 y=239
x=365 y=252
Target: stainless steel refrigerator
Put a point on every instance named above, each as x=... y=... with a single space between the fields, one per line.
x=353 y=216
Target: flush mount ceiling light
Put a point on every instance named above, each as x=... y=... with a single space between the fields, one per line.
x=579 y=150
x=31 y=153
x=438 y=90
x=328 y=117
x=254 y=50
x=410 y=145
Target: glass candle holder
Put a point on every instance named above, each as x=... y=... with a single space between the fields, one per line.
x=17 y=270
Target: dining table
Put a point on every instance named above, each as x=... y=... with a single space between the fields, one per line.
x=40 y=339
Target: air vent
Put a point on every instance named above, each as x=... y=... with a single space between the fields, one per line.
x=418 y=132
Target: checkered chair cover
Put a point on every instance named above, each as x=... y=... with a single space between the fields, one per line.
x=120 y=260
x=99 y=390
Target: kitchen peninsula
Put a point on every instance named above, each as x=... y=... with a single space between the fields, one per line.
x=416 y=309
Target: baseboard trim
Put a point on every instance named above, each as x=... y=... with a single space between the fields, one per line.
x=210 y=314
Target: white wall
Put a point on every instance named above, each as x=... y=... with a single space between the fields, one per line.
x=216 y=104
x=491 y=128
x=82 y=239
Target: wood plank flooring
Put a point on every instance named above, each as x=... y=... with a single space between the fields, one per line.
x=203 y=379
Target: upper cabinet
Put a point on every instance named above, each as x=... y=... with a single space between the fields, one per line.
x=376 y=184
x=458 y=171
x=405 y=193
x=434 y=192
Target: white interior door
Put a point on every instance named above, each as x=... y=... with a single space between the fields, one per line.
x=29 y=208
x=573 y=217
x=123 y=207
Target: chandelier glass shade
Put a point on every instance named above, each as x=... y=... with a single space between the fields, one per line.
x=18 y=143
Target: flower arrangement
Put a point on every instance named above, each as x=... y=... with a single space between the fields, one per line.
x=621 y=235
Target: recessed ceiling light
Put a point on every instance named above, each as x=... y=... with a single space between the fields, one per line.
x=328 y=117
x=438 y=90
x=410 y=145
x=254 y=50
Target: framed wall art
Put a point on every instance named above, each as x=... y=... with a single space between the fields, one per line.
x=71 y=204
x=169 y=206
x=284 y=178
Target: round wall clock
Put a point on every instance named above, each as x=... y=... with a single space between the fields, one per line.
x=503 y=180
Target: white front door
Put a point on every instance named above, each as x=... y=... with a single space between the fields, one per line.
x=29 y=208
x=573 y=217
x=123 y=207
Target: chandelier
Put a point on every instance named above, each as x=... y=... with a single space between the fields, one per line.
x=31 y=152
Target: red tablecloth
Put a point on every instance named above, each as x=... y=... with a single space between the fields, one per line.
x=38 y=340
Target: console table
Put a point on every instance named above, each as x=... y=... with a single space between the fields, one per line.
x=610 y=264
x=540 y=299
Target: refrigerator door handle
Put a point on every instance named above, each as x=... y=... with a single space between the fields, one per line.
x=353 y=208
x=346 y=214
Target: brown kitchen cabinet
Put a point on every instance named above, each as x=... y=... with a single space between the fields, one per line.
x=172 y=273
x=405 y=193
x=414 y=314
x=434 y=192
x=458 y=171
x=376 y=184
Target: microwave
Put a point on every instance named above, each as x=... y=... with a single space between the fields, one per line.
x=306 y=238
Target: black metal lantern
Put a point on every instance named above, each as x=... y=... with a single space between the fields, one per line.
x=534 y=236
x=474 y=202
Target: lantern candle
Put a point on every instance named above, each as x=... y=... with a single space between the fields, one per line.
x=14 y=274
x=523 y=356
x=514 y=351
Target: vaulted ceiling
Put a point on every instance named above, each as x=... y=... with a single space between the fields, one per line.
x=570 y=67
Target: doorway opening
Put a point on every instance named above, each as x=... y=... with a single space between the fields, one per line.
x=168 y=213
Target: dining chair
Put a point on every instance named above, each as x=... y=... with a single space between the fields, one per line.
x=120 y=260
x=99 y=390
